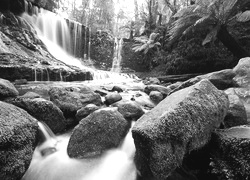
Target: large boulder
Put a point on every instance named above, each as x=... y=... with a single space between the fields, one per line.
x=71 y=99
x=18 y=138
x=231 y=158
x=102 y=130
x=221 y=79
x=179 y=124
x=236 y=114
x=42 y=110
x=242 y=71
x=7 y=89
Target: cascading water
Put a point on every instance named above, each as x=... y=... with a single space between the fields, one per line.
x=116 y=65
x=54 y=31
x=51 y=162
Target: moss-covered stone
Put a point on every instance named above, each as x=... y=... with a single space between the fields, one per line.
x=179 y=124
x=18 y=139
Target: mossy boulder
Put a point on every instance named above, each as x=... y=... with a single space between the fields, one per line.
x=42 y=110
x=71 y=99
x=179 y=124
x=18 y=139
x=7 y=89
x=231 y=148
x=100 y=131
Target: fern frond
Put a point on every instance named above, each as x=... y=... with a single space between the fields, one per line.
x=244 y=17
x=211 y=36
x=142 y=39
x=185 y=11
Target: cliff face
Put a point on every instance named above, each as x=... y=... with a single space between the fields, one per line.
x=24 y=56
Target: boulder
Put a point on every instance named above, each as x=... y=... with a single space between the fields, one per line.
x=85 y=111
x=102 y=130
x=42 y=110
x=231 y=158
x=179 y=124
x=20 y=81
x=221 y=79
x=31 y=95
x=162 y=89
x=242 y=72
x=129 y=109
x=156 y=96
x=71 y=99
x=152 y=80
x=112 y=98
x=7 y=89
x=236 y=114
x=18 y=139
x=117 y=88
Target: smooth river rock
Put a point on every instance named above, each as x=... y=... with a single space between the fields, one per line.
x=102 y=130
x=7 y=89
x=179 y=124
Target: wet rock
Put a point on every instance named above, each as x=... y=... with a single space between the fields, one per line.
x=162 y=89
x=18 y=139
x=102 y=130
x=179 y=124
x=20 y=81
x=112 y=98
x=152 y=80
x=129 y=109
x=242 y=72
x=220 y=79
x=117 y=89
x=85 y=111
x=156 y=96
x=236 y=114
x=101 y=92
x=231 y=153
x=7 y=89
x=42 y=110
x=31 y=95
x=71 y=99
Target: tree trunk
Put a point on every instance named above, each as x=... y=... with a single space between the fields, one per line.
x=159 y=20
x=231 y=44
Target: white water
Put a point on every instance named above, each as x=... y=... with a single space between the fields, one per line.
x=54 y=32
x=55 y=164
x=116 y=65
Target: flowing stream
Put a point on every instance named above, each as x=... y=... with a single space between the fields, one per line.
x=51 y=162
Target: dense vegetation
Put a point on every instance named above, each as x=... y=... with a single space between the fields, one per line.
x=171 y=36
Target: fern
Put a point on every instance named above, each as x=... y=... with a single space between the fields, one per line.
x=244 y=16
x=207 y=13
x=145 y=44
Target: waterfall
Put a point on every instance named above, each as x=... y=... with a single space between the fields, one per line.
x=51 y=162
x=35 y=72
x=60 y=41
x=47 y=72
x=116 y=65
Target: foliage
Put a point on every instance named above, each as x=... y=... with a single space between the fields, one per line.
x=210 y=14
x=189 y=56
x=102 y=48
x=145 y=44
x=51 y=4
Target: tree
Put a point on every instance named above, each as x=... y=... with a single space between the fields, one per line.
x=214 y=15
